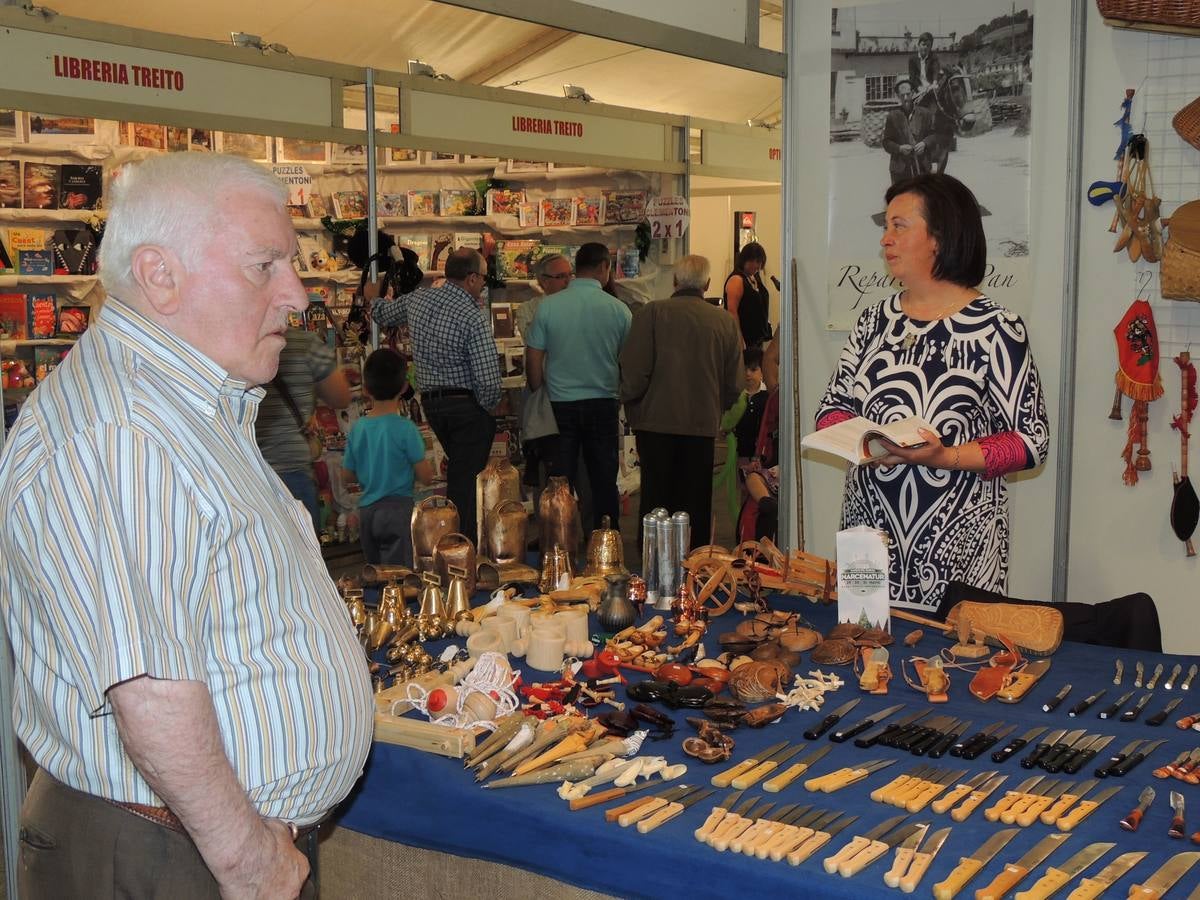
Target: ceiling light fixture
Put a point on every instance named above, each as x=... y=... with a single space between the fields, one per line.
x=418 y=67
x=255 y=42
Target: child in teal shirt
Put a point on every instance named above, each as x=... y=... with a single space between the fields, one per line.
x=383 y=454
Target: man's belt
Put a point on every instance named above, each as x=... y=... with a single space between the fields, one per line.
x=439 y=392
x=161 y=815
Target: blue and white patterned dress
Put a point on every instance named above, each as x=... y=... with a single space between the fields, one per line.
x=972 y=376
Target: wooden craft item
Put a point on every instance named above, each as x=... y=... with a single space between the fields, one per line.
x=1034 y=630
x=424 y=736
x=967 y=645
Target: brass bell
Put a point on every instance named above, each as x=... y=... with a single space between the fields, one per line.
x=431 y=603
x=432 y=518
x=458 y=598
x=378 y=573
x=498 y=482
x=605 y=553
x=378 y=636
x=504 y=537
x=391 y=599
x=558 y=516
x=455 y=550
x=557 y=570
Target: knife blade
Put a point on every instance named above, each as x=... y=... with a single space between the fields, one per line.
x=969 y=866
x=928 y=741
x=1041 y=803
x=1166 y=876
x=1129 y=763
x=671 y=810
x=922 y=859
x=1060 y=751
x=906 y=850
x=1018 y=743
x=844 y=734
x=912 y=736
x=1084 y=809
x=1112 y=709
x=819 y=839
x=778 y=782
x=795 y=834
x=1090 y=888
x=878 y=848
x=1015 y=872
x=976 y=797
x=1057 y=876
x=957 y=749
x=947 y=800
x=766 y=767
x=1161 y=716
x=1086 y=703
x=860 y=842
x=887 y=792
x=830 y=720
x=1052 y=704
x=1103 y=770
x=773 y=825
x=1043 y=747
x=733 y=827
x=1018 y=807
x=732 y=817
x=1136 y=710
x=718 y=813
x=835 y=781
x=891 y=728
x=1086 y=754
x=978 y=748
x=1066 y=800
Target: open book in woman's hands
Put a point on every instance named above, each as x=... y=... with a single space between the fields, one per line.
x=860 y=440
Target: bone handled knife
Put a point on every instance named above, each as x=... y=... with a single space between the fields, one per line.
x=732 y=828
x=795 y=835
x=970 y=866
x=1058 y=876
x=877 y=848
x=717 y=814
x=1187 y=681
x=1084 y=809
x=730 y=819
x=628 y=813
x=996 y=810
x=956 y=793
x=1015 y=872
x=777 y=783
x=1066 y=800
x=1091 y=888
x=1139 y=672
x=1169 y=684
x=724 y=779
x=922 y=859
x=976 y=797
x=671 y=810
x=905 y=851
x=1153 y=682
x=1164 y=879
x=775 y=825
x=819 y=839
x=860 y=842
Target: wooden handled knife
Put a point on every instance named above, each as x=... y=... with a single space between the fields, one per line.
x=1015 y=872
x=996 y=810
x=1058 y=876
x=969 y=866
x=860 y=842
x=795 y=770
x=877 y=848
x=1083 y=810
x=1066 y=800
x=1164 y=879
x=766 y=767
x=905 y=851
x=922 y=859
x=1091 y=888
x=670 y=811
x=724 y=779
x=819 y=839
x=976 y=797
x=717 y=814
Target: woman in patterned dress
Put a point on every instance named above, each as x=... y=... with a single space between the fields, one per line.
x=942 y=351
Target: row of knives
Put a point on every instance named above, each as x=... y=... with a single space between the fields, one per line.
x=1139 y=672
x=1114 y=709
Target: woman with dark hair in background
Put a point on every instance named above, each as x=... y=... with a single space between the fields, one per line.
x=942 y=351
x=746 y=296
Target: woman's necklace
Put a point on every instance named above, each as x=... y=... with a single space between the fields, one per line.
x=910 y=334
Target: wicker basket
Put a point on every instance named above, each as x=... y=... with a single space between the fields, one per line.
x=1183 y=13
x=1187 y=123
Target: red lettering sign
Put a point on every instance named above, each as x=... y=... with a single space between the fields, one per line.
x=112 y=72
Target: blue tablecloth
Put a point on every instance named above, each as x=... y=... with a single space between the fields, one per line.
x=431 y=802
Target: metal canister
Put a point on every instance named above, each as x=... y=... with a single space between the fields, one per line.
x=668 y=570
x=650 y=556
x=681 y=536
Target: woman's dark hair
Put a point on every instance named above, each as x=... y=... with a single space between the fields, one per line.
x=751 y=252
x=384 y=374
x=953 y=220
x=752 y=358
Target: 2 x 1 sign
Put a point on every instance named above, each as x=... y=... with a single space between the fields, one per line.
x=669 y=217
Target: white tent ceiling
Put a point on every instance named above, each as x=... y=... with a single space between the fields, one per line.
x=468 y=46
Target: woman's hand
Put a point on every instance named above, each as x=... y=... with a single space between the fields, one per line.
x=931 y=454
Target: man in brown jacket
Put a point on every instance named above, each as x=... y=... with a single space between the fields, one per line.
x=681 y=367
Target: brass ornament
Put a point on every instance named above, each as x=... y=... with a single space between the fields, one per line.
x=605 y=552
x=432 y=518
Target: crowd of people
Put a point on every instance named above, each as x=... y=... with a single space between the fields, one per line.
x=187 y=681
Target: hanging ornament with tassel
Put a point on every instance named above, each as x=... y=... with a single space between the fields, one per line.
x=1138 y=379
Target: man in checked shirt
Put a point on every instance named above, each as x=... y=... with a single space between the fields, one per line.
x=458 y=372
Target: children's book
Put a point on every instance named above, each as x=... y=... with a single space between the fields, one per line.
x=422 y=203
x=503 y=201
x=349 y=205
x=454 y=202
x=589 y=210
x=556 y=211
x=392 y=205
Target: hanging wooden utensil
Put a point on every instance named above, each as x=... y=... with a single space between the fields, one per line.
x=1185 y=506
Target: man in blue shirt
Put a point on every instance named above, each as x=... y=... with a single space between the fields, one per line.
x=572 y=347
x=458 y=372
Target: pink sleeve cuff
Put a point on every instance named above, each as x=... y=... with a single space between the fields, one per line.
x=833 y=417
x=1003 y=453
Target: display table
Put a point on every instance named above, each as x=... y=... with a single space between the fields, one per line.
x=430 y=802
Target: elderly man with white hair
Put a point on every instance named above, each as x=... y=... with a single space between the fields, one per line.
x=681 y=367
x=186 y=678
